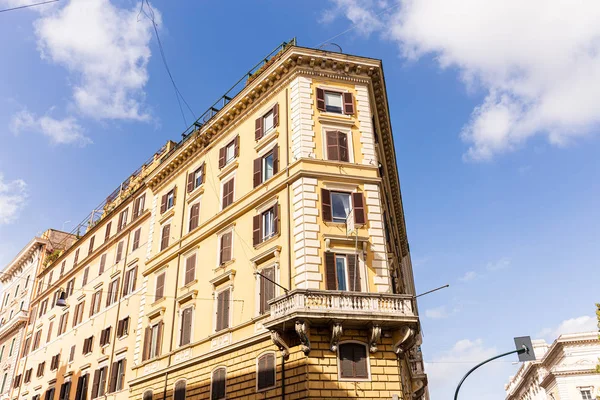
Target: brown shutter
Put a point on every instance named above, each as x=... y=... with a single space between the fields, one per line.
x=343 y=147
x=275 y=159
x=236 y=142
x=160 y=287
x=164 y=242
x=190 y=182
x=190 y=268
x=360 y=361
x=134 y=277
x=326 y=205
x=332 y=145
x=114 y=370
x=76 y=258
x=256 y=229
x=187 y=326
x=96 y=384
x=119 y=251
x=159 y=339
x=267 y=288
x=91 y=248
x=120 y=328
x=102 y=264
x=353 y=273
x=80 y=383
x=258 y=128
x=194 y=216
x=320 y=99
x=346 y=361
x=174 y=190
x=276 y=115
x=136 y=204
x=348 y=104
x=226 y=247
x=222 y=153
x=330 y=281
x=257 y=171
x=276 y=219
x=125 y=284
x=86 y=273
x=103 y=378
x=147 y=342
x=163 y=203
x=358 y=202
x=136 y=238
x=203 y=167
x=107 y=232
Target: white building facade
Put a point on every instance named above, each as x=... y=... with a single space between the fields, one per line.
x=564 y=370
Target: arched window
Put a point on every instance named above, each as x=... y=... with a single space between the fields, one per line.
x=353 y=361
x=265 y=374
x=179 y=390
x=147 y=395
x=218 y=384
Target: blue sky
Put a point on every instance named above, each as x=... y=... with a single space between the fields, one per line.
x=496 y=133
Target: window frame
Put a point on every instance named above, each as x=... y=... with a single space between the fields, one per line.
x=230 y=146
x=212 y=376
x=184 y=381
x=225 y=180
x=258 y=281
x=216 y=308
x=154 y=341
x=220 y=262
x=192 y=316
x=333 y=92
x=368 y=378
x=340 y=192
x=170 y=199
x=264 y=354
x=190 y=208
x=349 y=142
x=270 y=113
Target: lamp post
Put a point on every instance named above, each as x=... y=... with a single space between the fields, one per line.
x=524 y=350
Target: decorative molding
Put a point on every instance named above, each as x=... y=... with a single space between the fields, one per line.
x=281 y=344
x=336 y=334
x=302 y=330
x=375 y=337
x=404 y=341
x=224 y=277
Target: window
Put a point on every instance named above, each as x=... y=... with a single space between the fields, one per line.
x=190 y=269
x=88 y=345
x=159 y=292
x=107 y=231
x=353 y=362
x=28 y=375
x=196 y=178
x=17 y=291
x=130 y=281
x=54 y=363
x=136 y=239
x=119 y=254
x=75 y=260
x=50 y=394
x=43 y=308
x=113 y=292
x=179 y=390
x=194 y=217
x=4 y=382
x=152 y=341
x=17 y=381
x=218 y=384
x=167 y=201
x=96 y=299
x=228 y=153
x=62 y=323
x=164 y=241
x=49 y=334
x=91 y=248
x=62 y=270
x=265 y=225
x=8 y=295
x=12 y=347
x=336 y=206
x=225 y=251
x=72 y=354
x=148 y=395
x=265 y=375
x=105 y=336
x=266 y=166
x=267 y=122
x=65 y=391
x=70 y=287
x=138 y=206
x=227 y=189
x=2 y=352
x=40 y=369
x=55 y=297
x=82 y=387
x=266 y=288
x=335 y=102
x=342 y=272
x=185 y=336
x=102 y=264
x=26 y=347
x=222 y=310
x=36 y=339
x=78 y=315
x=28 y=277
x=86 y=274
x=123 y=327
x=586 y=394
x=337 y=146
x=122 y=220
x=99 y=385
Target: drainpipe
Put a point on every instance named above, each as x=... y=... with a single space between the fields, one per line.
x=282 y=377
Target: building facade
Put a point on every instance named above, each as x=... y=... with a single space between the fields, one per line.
x=564 y=370
x=263 y=256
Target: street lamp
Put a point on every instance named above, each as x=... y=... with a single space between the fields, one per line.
x=62 y=299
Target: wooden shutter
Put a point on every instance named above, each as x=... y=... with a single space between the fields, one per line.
x=257 y=171
x=276 y=219
x=91 y=248
x=194 y=216
x=75 y=260
x=190 y=268
x=331 y=137
x=348 y=104
x=163 y=203
x=164 y=243
x=343 y=147
x=179 y=391
x=236 y=144
x=330 y=276
x=120 y=328
x=353 y=273
x=275 y=159
x=218 y=384
x=346 y=360
x=358 y=203
x=147 y=343
x=79 y=388
x=107 y=232
x=160 y=287
x=119 y=251
x=86 y=273
x=190 y=182
x=141 y=204
x=186 y=326
x=256 y=236
x=226 y=247
x=96 y=384
x=102 y=264
x=258 y=128
x=223 y=310
x=203 y=168
x=276 y=115
x=125 y=285
x=136 y=238
x=267 y=288
x=326 y=205
x=159 y=338
x=134 y=277
x=114 y=370
x=360 y=361
x=103 y=380
x=320 y=99
x=222 y=154
x=136 y=204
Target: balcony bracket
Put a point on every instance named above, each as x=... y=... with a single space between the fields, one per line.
x=405 y=340
x=280 y=343
x=336 y=334
x=375 y=336
x=302 y=329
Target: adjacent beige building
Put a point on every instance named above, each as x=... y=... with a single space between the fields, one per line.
x=263 y=256
x=564 y=370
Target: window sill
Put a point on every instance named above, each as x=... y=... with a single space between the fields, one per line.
x=265 y=389
x=266 y=139
x=267 y=241
x=227 y=169
x=194 y=194
x=125 y=336
x=157 y=302
x=168 y=214
x=225 y=264
x=189 y=284
x=335 y=118
x=354 y=379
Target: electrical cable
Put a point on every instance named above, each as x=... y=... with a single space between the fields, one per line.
x=28 y=6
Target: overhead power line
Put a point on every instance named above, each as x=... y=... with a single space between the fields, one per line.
x=28 y=5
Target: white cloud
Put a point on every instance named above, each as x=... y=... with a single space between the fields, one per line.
x=60 y=131
x=106 y=50
x=540 y=72
x=469 y=276
x=366 y=20
x=437 y=313
x=498 y=265
x=12 y=199
x=584 y=323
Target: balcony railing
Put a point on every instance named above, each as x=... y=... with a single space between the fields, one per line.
x=20 y=316
x=355 y=308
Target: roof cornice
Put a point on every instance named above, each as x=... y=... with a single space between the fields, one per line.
x=24 y=255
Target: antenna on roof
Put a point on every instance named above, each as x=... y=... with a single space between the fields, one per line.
x=321 y=47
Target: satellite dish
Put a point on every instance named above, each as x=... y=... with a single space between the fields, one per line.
x=329 y=44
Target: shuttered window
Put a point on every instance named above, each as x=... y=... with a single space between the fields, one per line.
x=168 y=200
x=130 y=281
x=160 y=287
x=165 y=233
x=122 y=220
x=99 y=382
x=123 y=327
x=136 y=239
x=40 y=369
x=190 y=269
x=105 y=336
x=353 y=362
x=17 y=381
x=223 y=305
x=229 y=152
x=267 y=122
x=86 y=274
x=70 y=287
x=194 y=216
x=82 y=387
x=196 y=178
x=337 y=146
x=186 y=326
x=218 y=384
x=107 y=231
x=72 y=354
x=119 y=254
x=117 y=376
x=335 y=102
x=65 y=391
x=228 y=189
x=342 y=272
x=138 y=206
x=265 y=225
x=55 y=362
x=28 y=375
x=102 y=264
x=50 y=394
x=78 y=315
x=96 y=300
x=74 y=264
x=62 y=323
x=152 y=341
x=91 y=247
x=37 y=337
x=113 y=291
x=48 y=337
x=266 y=166
x=225 y=251
x=265 y=375
x=26 y=346
x=267 y=288
x=336 y=206
x=88 y=345
x=180 y=388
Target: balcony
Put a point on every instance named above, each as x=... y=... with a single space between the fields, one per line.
x=302 y=308
x=20 y=317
